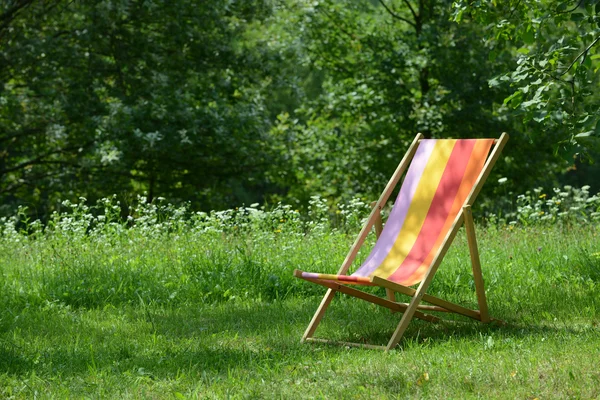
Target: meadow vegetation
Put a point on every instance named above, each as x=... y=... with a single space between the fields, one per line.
x=170 y=303
x=299 y=110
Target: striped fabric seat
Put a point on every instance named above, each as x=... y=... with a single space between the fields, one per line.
x=435 y=188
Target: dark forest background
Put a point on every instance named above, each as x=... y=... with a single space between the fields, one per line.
x=225 y=103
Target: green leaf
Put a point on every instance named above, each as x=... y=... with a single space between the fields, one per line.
x=577 y=17
x=494 y=82
x=530 y=103
x=540 y=115
x=584 y=134
x=588 y=139
x=515 y=99
x=529 y=36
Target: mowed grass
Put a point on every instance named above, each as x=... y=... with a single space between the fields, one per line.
x=181 y=313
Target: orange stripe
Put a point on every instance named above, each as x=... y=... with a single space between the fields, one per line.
x=419 y=207
x=476 y=163
x=440 y=209
x=348 y=279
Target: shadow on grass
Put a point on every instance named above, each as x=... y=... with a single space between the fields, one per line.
x=158 y=342
x=370 y=325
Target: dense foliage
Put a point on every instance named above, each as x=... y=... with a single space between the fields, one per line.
x=224 y=104
x=555 y=77
x=123 y=97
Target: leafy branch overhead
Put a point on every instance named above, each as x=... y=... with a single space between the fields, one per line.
x=555 y=46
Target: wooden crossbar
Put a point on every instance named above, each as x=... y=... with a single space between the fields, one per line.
x=455 y=308
x=338 y=287
x=339 y=343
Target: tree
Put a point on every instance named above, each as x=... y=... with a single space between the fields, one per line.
x=554 y=80
x=162 y=97
x=391 y=69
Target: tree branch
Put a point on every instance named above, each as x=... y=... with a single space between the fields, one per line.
x=412 y=10
x=571 y=10
x=514 y=9
x=583 y=53
x=393 y=14
x=41 y=158
x=9 y=14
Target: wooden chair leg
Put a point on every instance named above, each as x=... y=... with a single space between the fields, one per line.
x=391 y=296
x=475 y=263
x=422 y=289
x=406 y=318
x=316 y=319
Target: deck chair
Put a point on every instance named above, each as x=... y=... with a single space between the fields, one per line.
x=443 y=179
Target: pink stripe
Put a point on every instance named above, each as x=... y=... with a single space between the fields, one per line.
x=438 y=211
x=398 y=215
x=310 y=275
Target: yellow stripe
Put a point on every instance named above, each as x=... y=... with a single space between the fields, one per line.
x=417 y=211
x=474 y=167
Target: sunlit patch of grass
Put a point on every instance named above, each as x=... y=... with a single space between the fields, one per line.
x=237 y=348
x=190 y=307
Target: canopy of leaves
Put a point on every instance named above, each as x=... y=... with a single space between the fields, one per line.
x=228 y=103
x=120 y=96
x=389 y=70
x=554 y=82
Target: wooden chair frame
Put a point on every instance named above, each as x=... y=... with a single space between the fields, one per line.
x=412 y=309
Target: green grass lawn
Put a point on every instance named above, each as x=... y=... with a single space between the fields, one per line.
x=189 y=314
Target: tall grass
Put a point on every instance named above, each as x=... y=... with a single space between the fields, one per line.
x=173 y=304
x=90 y=257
